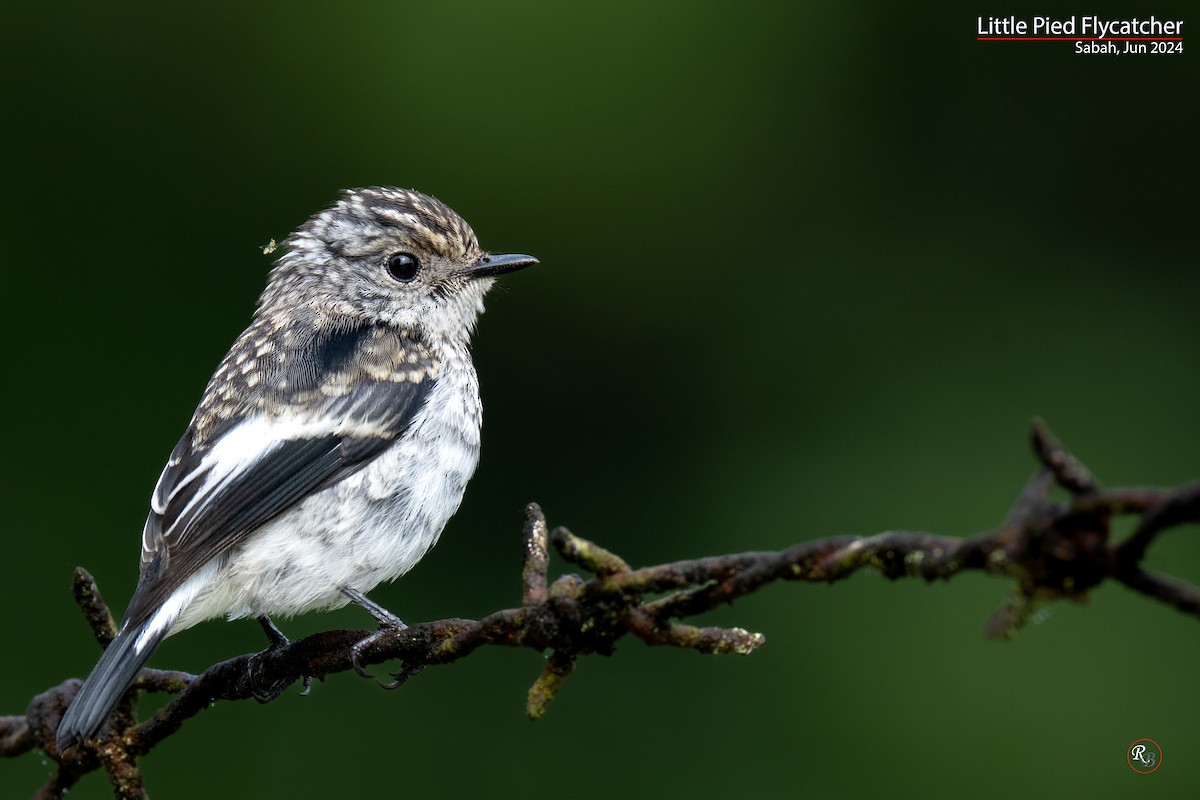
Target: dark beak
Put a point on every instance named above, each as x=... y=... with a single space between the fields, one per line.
x=492 y=265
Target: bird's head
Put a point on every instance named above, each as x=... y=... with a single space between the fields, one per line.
x=388 y=255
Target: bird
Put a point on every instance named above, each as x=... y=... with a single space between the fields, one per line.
x=331 y=445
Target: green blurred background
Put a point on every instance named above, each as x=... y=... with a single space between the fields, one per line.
x=807 y=269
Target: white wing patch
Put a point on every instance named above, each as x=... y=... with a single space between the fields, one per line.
x=233 y=453
x=240 y=448
x=179 y=599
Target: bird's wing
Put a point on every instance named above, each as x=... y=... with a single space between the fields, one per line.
x=298 y=419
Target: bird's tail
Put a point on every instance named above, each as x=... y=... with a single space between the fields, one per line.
x=100 y=693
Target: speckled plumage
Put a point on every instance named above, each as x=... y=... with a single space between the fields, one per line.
x=333 y=442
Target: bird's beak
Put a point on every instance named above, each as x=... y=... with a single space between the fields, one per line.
x=491 y=265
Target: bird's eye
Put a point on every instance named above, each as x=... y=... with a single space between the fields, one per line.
x=403 y=266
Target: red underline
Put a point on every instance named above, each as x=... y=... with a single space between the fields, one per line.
x=1078 y=39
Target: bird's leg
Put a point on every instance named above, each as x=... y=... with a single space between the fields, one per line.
x=387 y=622
x=275 y=639
x=384 y=617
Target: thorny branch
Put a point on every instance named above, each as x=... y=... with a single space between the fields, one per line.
x=1052 y=548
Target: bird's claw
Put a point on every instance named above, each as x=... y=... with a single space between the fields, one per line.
x=400 y=678
x=356 y=651
x=263 y=694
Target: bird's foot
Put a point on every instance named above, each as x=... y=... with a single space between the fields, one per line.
x=275 y=640
x=388 y=622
